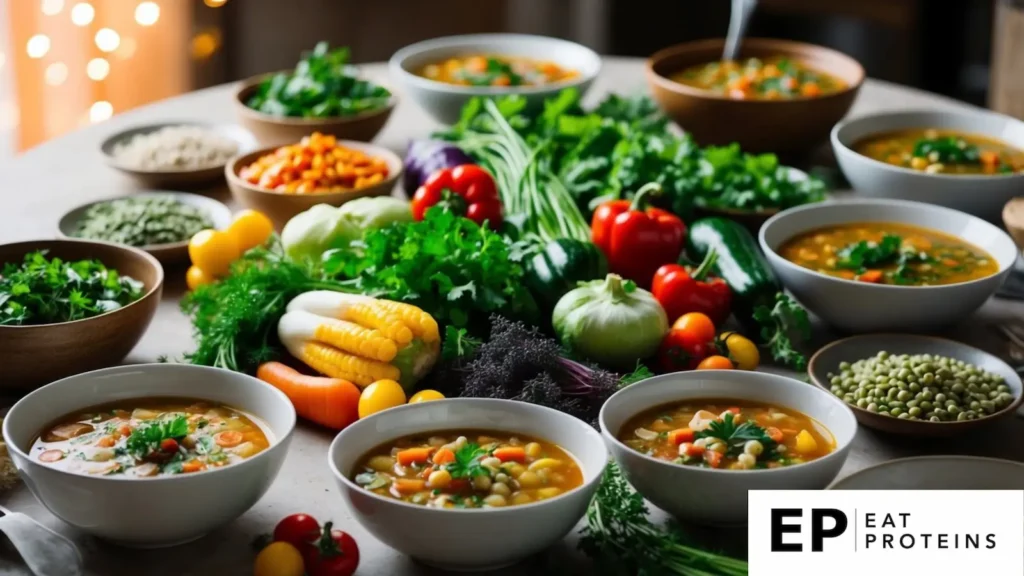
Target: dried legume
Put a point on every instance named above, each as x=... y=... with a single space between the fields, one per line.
x=176 y=148
x=142 y=221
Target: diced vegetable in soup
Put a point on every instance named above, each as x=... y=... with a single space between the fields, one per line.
x=150 y=438
x=942 y=152
x=755 y=79
x=727 y=434
x=496 y=70
x=468 y=469
x=889 y=253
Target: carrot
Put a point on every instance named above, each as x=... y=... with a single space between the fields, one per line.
x=774 y=433
x=409 y=485
x=192 y=466
x=228 y=438
x=124 y=430
x=106 y=442
x=51 y=456
x=949 y=262
x=427 y=472
x=693 y=450
x=511 y=454
x=680 y=435
x=789 y=432
x=847 y=274
x=411 y=456
x=734 y=409
x=872 y=276
x=714 y=459
x=988 y=158
x=331 y=402
x=444 y=456
x=810 y=89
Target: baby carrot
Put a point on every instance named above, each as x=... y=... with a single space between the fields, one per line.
x=774 y=433
x=511 y=454
x=873 y=276
x=444 y=456
x=411 y=456
x=680 y=435
x=331 y=402
x=409 y=485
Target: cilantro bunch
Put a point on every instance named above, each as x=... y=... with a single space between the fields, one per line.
x=447 y=265
x=44 y=290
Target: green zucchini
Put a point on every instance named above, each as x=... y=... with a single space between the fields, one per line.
x=560 y=266
x=759 y=302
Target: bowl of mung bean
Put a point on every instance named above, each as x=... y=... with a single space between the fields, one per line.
x=160 y=223
x=917 y=385
x=176 y=154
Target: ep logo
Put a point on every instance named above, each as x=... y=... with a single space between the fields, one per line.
x=824 y=523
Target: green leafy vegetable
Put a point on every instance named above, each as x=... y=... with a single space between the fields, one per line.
x=947 y=150
x=458 y=344
x=467 y=462
x=866 y=254
x=641 y=372
x=146 y=438
x=322 y=85
x=623 y=542
x=736 y=436
x=41 y=290
x=450 y=267
x=780 y=325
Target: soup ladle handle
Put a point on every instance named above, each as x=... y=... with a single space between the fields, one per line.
x=739 y=17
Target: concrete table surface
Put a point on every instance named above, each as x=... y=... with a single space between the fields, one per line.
x=43 y=183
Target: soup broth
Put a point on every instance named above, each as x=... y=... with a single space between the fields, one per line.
x=468 y=469
x=727 y=434
x=150 y=438
x=775 y=78
x=496 y=70
x=942 y=152
x=889 y=253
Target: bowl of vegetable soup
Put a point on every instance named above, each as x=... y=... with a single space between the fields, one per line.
x=442 y=74
x=720 y=433
x=468 y=483
x=150 y=455
x=969 y=161
x=887 y=265
x=779 y=96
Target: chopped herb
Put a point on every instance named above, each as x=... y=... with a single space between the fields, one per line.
x=467 y=462
x=206 y=445
x=147 y=437
x=736 y=436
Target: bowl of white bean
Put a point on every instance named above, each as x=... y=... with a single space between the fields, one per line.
x=176 y=154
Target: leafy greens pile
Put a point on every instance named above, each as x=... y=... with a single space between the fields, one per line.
x=42 y=290
x=322 y=85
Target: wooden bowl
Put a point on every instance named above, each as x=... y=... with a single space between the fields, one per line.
x=280 y=207
x=171 y=179
x=855 y=348
x=172 y=253
x=1013 y=219
x=781 y=126
x=278 y=130
x=36 y=355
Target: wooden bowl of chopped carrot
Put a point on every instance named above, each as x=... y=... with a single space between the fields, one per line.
x=319 y=169
x=778 y=96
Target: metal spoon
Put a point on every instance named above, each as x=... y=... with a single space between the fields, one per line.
x=739 y=17
x=44 y=552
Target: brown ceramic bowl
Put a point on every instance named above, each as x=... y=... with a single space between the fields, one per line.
x=36 y=355
x=280 y=207
x=781 y=126
x=278 y=130
x=855 y=348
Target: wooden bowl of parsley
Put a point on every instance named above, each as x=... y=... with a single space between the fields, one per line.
x=324 y=93
x=70 y=306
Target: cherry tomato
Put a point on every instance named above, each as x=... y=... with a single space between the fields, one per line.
x=676 y=354
x=380 y=395
x=715 y=363
x=425 y=396
x=196 y=277
x=213 y=251
x=336 y=554
x=299 y=530
x=250 y=229
x=279 y=559
x=741 y=350
x=695 y=328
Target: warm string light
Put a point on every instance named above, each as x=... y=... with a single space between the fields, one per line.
x=56 y=73
x=147 y=13
x=38 y=46
x=100 y=111
x=52 y=7
x=97 y=69
x=82 y=14
x=215 y=3
x=107 y=40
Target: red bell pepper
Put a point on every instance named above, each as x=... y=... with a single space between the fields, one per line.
x=637 y=239
x=467 y=190
x=680 y=289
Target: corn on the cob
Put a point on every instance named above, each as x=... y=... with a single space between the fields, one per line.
x=337 y=364
x=362 y=310
x=342 y=334
x=423 y=325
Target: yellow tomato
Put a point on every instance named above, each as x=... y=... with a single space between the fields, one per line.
x=380 y=395
x=279 y=559
x=250 y=229
x=196 y=277
x=742 y=351
x=426 y=396
x=213 y=251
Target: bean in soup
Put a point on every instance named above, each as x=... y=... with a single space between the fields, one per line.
x=727 y=434
x=775 y=78
x=468 y=469
x=496 y=70
x=942 y=152
x=150 y=438
x=889 y=253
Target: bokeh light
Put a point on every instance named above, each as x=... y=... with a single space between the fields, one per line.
x=56 y=73
x=82 y=14
x=107 y=40
x=205 y=44
x=147 y=13
x=52 y=7
x=215 y=3
x=38 y=46
x=97 y=69
x=100 y=111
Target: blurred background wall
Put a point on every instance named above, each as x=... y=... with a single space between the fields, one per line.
x=68 y=63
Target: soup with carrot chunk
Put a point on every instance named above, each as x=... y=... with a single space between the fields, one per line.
x=889 y=253
x=496 y=70
x=727 y=434
x=942 y=152
x=775 y=78
x=150 y=438
x=468 y=469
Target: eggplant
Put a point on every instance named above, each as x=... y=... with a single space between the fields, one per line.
x=424 y=157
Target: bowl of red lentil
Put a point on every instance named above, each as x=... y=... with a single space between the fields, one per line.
x=319 y=169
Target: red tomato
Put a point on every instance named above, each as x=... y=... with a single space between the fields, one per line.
x=695 y=328
x=299 y=530
x=336 y=554
x=478 y=183
x=677 y=353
